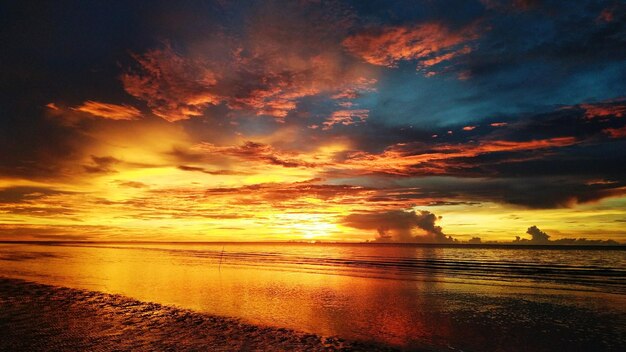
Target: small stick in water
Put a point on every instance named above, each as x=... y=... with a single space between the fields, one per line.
x=219 y=268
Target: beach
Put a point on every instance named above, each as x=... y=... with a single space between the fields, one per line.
x=36 y=317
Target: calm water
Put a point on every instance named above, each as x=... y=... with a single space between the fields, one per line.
x=435 y=298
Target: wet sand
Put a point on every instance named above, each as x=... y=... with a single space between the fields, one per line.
x=36 y=317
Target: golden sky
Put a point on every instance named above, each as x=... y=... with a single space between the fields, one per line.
x=300 y=121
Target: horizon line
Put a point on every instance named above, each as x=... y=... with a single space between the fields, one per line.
x=465 y=244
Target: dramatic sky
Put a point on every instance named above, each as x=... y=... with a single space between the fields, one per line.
x=313 y=120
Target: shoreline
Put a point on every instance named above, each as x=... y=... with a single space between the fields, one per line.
x=38 y=317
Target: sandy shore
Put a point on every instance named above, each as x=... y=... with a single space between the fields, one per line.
x=36 y=317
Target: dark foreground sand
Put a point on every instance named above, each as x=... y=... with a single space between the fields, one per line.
x=35 y=317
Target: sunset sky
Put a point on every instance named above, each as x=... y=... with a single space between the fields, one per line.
x=406 y=121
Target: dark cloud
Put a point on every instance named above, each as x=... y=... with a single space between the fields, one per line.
x=536 y=192
x=539 y=237
x=28 y=232
x=21 y=194
x=584 y=242
x=556 y=159
x=36 y=202
x=573 y=39
x=35 y=147
x=398 y=226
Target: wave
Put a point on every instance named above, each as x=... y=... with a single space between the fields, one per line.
x=414 y=265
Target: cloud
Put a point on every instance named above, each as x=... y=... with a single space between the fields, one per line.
x=559 y=53
x=260 y=152
x=356 y=89
x=530 y=192
x=616 y=132
x=264 y=68
x=604 y=110
x=21 y=194
x=539 y=237
x=106 y=111
x=346 y=117
x=561 y=142
x=398 y=226
x=210 y=172
x=132 y=184
x=242 y=84
x=101 y=164
x=292 y=194
x=36 y=147
x=175 y=88
x=178 y=87
x=418 y=158
x=25 y=232
x=37 y=202
x=89 y=112
x=430 y=44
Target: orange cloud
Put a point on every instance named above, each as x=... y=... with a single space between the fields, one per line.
x=355 y=89
x=429 y=43
x=175 y=88
x=346 y=117
x=602 y=110
x=287 y=192
x=52 y=106
x=408 y=159
x=469 y=128
x=502 y=146
x=261 y=79
x=105 y=110
x=266 y=69
x=399 y=159
x=498 y=124
x=434 y=61
x=260 y=152
x=616 y=132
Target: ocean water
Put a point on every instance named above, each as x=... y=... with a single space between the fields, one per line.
x=440 y=298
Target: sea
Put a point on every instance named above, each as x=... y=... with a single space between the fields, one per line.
x=410 y=296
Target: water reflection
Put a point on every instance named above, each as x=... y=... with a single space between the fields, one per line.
x=427 y=307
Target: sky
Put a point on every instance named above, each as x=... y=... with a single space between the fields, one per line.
x=408 y=121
